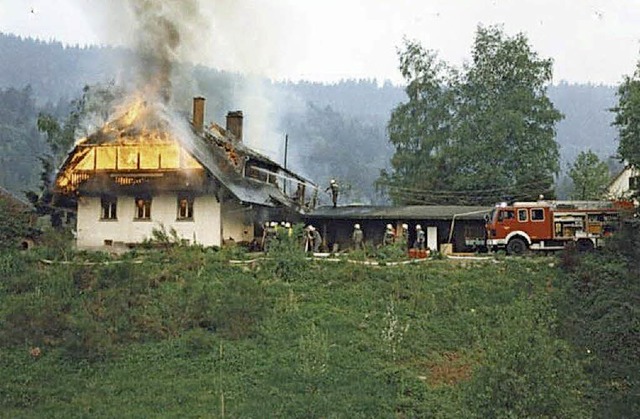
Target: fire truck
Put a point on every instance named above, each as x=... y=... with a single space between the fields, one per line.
x=552 y=225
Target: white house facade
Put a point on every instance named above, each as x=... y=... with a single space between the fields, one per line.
x=123 y=220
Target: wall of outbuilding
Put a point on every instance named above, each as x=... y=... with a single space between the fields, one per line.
x=338 y=231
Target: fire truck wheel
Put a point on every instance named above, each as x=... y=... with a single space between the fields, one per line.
x=516 y=246
x=584 y=245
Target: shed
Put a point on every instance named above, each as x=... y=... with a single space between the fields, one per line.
x=336 y=224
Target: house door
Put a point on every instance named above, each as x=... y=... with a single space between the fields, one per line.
x=432 y=238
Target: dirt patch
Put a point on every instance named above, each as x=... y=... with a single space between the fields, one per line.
x=450 y=369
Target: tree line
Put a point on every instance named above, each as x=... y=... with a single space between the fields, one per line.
x=320 y=120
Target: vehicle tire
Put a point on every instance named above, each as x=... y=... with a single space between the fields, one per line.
x=516 y=246
x=584 y=245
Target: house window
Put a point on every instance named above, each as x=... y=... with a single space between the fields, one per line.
x=185 y=208
x=522 y=215
x=109 y=207
x=537 y=214
x=143 y=208
x=634 y=183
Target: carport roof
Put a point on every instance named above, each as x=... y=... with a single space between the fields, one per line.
x=410 y=212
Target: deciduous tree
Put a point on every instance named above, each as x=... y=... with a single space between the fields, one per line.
x=478 y=135
x=590 y=176
x=627 y=118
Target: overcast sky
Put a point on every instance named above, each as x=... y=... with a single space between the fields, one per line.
x=327 y=40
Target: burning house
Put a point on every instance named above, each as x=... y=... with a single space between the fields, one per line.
x=149 y=169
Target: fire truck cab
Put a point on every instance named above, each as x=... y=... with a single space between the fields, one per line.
x=551 y=225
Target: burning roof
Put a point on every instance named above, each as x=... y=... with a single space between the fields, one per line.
x=147 y=140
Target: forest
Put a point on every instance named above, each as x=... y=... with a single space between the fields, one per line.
x=320 y=120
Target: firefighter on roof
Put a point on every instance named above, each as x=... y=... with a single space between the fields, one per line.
x=333 y=187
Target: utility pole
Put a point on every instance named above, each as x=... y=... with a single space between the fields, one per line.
x=286 y=147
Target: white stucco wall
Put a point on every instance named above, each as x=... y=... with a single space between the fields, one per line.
x=236 y=222
x=92 y=232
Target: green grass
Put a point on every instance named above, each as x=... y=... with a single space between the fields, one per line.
x=184 y=334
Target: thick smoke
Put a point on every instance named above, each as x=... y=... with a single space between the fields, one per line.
x=158 y=35
x=166 y=36
x=163 y=36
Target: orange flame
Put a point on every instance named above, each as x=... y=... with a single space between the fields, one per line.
x=136 y=141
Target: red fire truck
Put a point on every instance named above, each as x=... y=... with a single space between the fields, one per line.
x=551 y=225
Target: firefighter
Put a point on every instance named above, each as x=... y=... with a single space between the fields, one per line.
x=265 y=231
x=317 y=240
x=333 y=187
x=404 y=233
x=420 y=238
x=270 y=236
x=289 y=229
x=308 y=238
x=357 y=237
x=389 y=236
x=313 y=240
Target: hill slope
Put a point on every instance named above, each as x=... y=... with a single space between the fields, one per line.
x=184 y=333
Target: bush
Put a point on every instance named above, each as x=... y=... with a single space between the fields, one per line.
x=232 y=308
x=287 y=259
x=526 y=371
x=86 y=339
x=392 y=252
x=15 y=225
x=598 y=302
x=199 y=341
x=34 y=319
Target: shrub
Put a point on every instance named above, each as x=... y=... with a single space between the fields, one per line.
x=86 y=339
x=392 y=252
x=240 y=307
x=15 y=224
x=526 y=371
x=287 y=260
x=599 y=304
x=232 y=308
x=34 y=319
x=199 y=341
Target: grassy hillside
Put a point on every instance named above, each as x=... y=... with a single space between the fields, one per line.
x=184 y=333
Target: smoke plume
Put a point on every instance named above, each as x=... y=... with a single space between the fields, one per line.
x=163 y=33
x=166 y=37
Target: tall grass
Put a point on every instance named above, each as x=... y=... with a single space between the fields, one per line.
x=181 y=332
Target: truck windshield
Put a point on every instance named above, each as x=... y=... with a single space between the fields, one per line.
x=506 y=214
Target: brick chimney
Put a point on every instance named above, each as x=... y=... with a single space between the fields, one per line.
x=234 y=124
x=198 y=113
